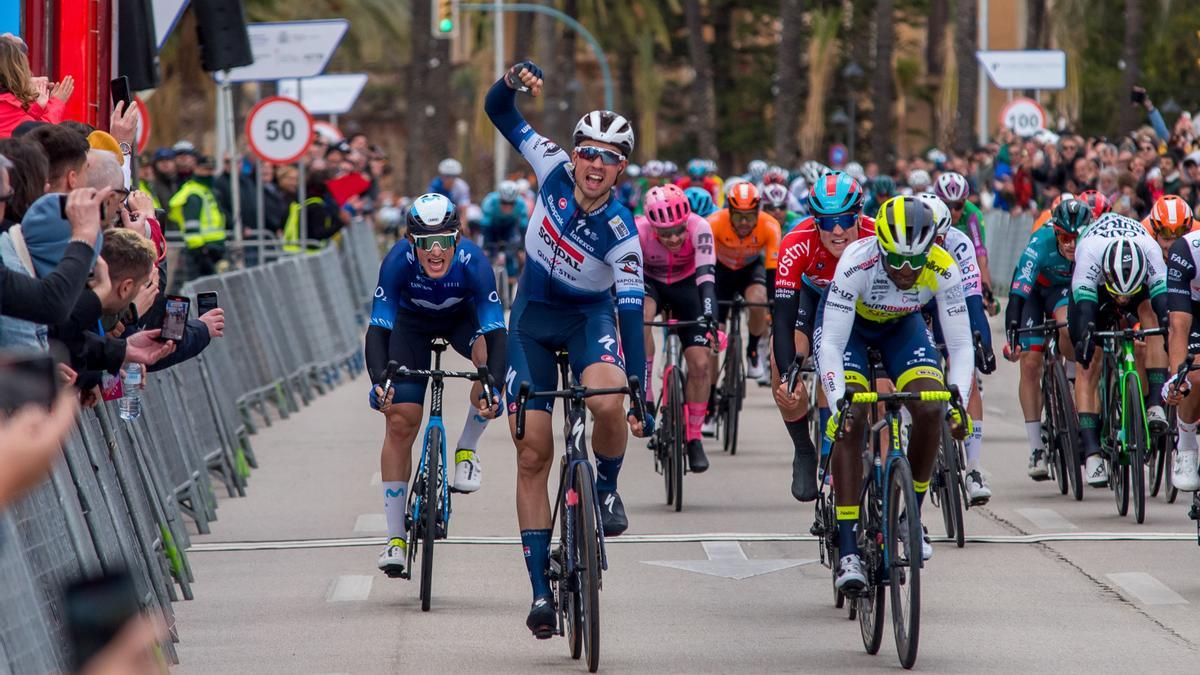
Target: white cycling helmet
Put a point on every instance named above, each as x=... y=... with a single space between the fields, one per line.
x=449 y=167
x=856 y=172
x=755 y=170
x=633 y=171
x=508 y=191
x=670 y=168
x=952 y=187
x=775 y=196
x=605 y=126
x=812 y=171
x=1124 y=267
x=653 y=169
x=941 y=213
x=919 y=180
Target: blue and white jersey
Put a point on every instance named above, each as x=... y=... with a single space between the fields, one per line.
x=572 y=257
x=459 y=193
x=470 y=281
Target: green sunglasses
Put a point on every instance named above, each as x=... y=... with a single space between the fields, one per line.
x=426 y=242
x=897 y=260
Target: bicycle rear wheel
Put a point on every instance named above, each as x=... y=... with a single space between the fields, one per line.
x=1136 y=439
x=678 y=435
x=950 y=500
x=429 y=514
x=663 y=442
x=734 y=389
x=1068 y=433
x=904 y=566
x=587 y=562
x=870 y=602
x=1057 y=457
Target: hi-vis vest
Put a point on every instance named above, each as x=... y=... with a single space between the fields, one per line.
x=212 y=221
x=291 y=228
x=144 y=187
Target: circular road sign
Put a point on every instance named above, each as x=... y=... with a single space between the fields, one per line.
x=1024 y=116
x=143 y=124
x=279 y=130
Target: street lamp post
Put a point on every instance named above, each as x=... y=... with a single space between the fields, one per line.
x=852 y=72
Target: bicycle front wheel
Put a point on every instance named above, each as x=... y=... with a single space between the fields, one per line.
x=870 y=601
x=1136 y=444
x=429 y=515
x=678 y=435
x=948 y=474
x=904 y=562
x=1068 y=431
x=734 y=385
x=587 y=565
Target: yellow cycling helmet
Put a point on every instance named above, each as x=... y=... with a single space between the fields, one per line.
x=905 y=230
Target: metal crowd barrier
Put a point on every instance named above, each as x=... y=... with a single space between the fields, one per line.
x=1007 y=236
x=122 y=494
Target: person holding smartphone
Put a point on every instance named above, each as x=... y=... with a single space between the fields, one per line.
x=433 y=284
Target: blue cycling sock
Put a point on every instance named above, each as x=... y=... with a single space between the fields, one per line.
x=607 y=469
x=847 y=522
x=1089 y=433
x=536 y=544
x=824 y=416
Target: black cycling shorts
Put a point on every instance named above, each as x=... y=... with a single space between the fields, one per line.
x=731 y=283
x=682 y=299
x=411 y=345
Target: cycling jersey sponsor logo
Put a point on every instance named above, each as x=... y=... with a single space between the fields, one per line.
x=1181 y=261
x=619 y=227
x=607 y=341
x=607 y=358
x=864 y=265
x=562 y=202
x=493 y=297
x=630 y=263
x=548 y=147
x=956 y=310
x=379 y=293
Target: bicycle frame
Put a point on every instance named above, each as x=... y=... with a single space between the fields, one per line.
x=1118 y=350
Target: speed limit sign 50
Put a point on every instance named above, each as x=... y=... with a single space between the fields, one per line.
x=1024 y=116
x=279 y=130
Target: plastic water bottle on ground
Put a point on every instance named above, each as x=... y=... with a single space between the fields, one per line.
x=131 y=401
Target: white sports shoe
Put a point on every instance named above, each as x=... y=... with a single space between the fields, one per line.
x=764 y=380
x=394 y=557
x=467 y=471
x=978 y=490
x=754 y=369
x=850 y=578
x=1037 y=465
x=1096 y=472
x=709 y=428
x=926 y=545
x=1156 y=418
x=1184 y=474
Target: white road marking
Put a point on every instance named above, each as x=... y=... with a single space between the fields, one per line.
x=727 y=559
x=376 y=478
x=350 y=588
x=350 y=542
x=371 y=522
x=1047 y=519
x=1146 y=589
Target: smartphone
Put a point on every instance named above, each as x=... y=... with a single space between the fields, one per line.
x=1137 y=96
x=96 y=611
x=206 y=302
x=175 y=317
x=119 y=88
x=27 y=377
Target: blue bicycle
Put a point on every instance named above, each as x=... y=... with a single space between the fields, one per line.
x=426 y=523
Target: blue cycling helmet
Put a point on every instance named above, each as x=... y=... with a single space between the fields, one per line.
x=833 y=193
x=697 y=168
x=701 y=201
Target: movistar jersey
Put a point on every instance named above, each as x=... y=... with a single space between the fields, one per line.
x=468 y=283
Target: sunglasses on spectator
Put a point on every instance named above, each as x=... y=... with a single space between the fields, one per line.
x=898 y=261
x=589 y=153
x=426 y=242
x=671 y=232
x=831 y=223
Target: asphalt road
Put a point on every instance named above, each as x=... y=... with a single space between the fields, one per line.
x=1013 y=606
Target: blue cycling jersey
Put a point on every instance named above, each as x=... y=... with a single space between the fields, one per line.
x=575 y=259
x=403 y=285
x=494 y=219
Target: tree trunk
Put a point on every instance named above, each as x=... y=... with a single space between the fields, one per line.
x=1130 y=114
x=722 y=52
x=935 y=41
x=965 y=40
x=787 y=98
x=626 y=98
x=883 y=84
x=1035 y=29
x=703 y=114
x=524 y=36
x=562 y=80
x=429 y=122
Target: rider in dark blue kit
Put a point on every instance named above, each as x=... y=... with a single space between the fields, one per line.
x=581 y=245
x=431 y=285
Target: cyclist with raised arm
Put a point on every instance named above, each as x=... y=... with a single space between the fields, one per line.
x=1041 y=289
x=961 y=249
x=432 y=284
x=503 y=223
x=581 y=245
x=1119 y=274
x=747 y=255
x=954 y=189
x=874 y=302
x=679 y=259
x=1183 y=299
x=808 y=256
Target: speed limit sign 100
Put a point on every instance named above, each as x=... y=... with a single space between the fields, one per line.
x=279 y=130
x=1024 y=116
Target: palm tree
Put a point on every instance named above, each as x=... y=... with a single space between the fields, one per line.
x=965 y=41
x=822 y=62
x=883 y=86
x=703 y=115
x=787 y=98
x=1134 y=21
